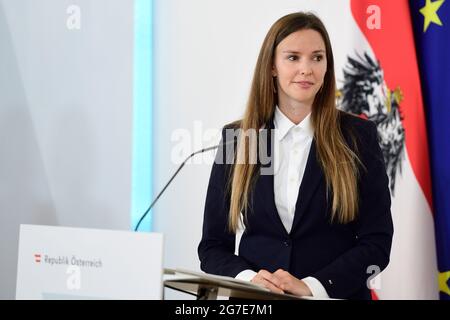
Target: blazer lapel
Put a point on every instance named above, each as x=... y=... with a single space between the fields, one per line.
x=313 y=174
x=265 y=183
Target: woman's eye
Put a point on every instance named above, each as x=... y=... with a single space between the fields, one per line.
x=318 y=58
x=292 y=58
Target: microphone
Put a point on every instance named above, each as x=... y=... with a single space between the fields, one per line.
x=173 y=177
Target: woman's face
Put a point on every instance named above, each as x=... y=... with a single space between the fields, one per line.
x=300 y=65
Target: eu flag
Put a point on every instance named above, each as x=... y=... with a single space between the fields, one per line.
x=431 y=20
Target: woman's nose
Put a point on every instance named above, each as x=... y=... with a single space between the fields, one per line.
x=306 y=72
x=305 y=69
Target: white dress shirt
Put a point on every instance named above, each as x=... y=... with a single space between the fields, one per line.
x=292 y=144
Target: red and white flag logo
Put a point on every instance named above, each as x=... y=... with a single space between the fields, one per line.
x=37 y=258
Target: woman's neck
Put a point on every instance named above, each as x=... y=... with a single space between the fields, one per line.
x=295 y=112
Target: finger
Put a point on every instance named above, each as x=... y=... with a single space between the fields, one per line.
x=279 y=271
x=271 y=286
x=280 y=278
x=285 y=279
x=260 y=281
x=256 y=279
x=264 y=273
x=282 y=274
x=270 y=277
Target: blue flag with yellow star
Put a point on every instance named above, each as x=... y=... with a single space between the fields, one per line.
x=431 y=20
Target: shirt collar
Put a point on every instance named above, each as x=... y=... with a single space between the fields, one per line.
x=283 y=125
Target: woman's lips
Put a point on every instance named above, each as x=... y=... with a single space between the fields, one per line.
x=304 y=84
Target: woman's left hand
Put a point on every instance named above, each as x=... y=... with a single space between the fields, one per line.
x=290 y=284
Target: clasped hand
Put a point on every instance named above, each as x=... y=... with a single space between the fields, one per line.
x=282 y=281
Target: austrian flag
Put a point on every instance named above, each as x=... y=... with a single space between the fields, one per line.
x=380 y=81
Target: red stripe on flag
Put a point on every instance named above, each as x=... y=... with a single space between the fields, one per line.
x=374 y=295
x=393 y=45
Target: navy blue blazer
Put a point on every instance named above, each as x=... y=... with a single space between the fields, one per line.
x=340 y=256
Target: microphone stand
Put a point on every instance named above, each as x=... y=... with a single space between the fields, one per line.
x=173 y=177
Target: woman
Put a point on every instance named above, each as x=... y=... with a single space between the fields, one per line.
x=319 y=223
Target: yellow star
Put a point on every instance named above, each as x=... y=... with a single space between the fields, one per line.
x=443 y=279
x=430 y=13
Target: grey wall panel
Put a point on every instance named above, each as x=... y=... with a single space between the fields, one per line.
x=66 y=103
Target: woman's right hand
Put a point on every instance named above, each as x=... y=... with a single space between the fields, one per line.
x=266 y=279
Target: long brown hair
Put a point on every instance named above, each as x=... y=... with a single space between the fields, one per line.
x=339 y=163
